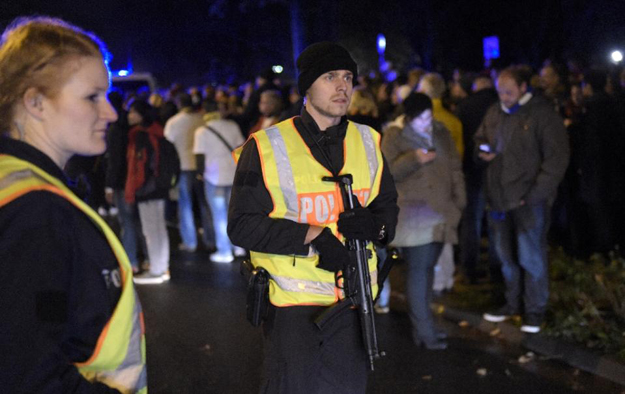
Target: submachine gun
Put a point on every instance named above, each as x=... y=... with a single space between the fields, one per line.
x=356 y=282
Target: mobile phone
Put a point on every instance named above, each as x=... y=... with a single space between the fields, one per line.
x=485 y=148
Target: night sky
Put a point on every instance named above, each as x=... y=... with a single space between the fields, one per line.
x=195 y=42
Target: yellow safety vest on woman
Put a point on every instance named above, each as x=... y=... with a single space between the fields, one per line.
x=119 y=357
x=293 y=178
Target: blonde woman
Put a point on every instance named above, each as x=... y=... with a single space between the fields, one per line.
x=71 y=321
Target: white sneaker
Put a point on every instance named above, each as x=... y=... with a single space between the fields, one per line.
x=239 y=251
x=532 y=323
x=218 y=257
x=148 y=278
x=381 y=310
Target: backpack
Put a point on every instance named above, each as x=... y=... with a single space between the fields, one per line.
x=154 y=175
x=169 y=165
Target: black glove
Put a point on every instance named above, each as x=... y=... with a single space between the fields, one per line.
x=333 y=255
x=358 y=223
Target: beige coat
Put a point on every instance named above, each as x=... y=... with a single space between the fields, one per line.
x=432 y=195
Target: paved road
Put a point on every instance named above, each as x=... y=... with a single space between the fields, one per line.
x=199 y=342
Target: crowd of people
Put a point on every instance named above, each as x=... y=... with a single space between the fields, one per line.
x=590 y=104
x=570 y=165
x=533 y=155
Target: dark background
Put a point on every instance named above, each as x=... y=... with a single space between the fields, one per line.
x=197 y=41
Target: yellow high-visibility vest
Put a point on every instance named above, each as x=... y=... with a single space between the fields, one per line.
x=293 y=178
x=119 y=357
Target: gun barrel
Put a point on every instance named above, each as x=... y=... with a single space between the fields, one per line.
x=360 y=295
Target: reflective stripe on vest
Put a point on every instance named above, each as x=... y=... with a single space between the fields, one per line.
x=293 y=178
x=297 y=285
x=119 y=357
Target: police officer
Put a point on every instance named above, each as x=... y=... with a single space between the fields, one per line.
x=292 y=222
x=71 y=321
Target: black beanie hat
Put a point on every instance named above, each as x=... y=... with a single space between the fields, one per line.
x=320 y=58
x=416 y=104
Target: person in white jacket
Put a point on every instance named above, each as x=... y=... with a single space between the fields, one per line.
x=213 y=146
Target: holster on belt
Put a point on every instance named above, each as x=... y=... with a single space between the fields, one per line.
x=257 y=292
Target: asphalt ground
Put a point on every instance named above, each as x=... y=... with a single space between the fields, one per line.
x=200 y=342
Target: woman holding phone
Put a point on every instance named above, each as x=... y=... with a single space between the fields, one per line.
x=428 y=175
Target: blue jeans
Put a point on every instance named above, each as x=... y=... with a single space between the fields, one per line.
x=420 y=262
x=185 y=209
x=129 y=223
x=520 y=241
x=385 y=294
x=188 y=187
x=218 y=198
x=471 y=234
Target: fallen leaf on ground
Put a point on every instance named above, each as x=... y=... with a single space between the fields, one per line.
x=440 y=309
x=526 y=358
x=464 y=323
x=482 y=371
x=495 y=332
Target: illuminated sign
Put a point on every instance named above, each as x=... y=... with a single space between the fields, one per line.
x=491 y=47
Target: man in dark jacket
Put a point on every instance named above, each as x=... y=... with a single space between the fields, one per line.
x=524 y=144
x=471 y=111
x=596 y=158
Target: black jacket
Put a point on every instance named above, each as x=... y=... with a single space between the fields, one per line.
x=596 y=151
x=471 y=111
x=249 y=225
x=117 y=144
x=532 y=154
x=56 y=293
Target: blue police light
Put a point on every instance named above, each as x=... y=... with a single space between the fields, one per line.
x=491 y=47
x=277 y=69
x=385 y=66
x=391 y=76
x=381 y=44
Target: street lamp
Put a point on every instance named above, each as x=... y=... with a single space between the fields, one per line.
x=617 y=56
x=381 y=44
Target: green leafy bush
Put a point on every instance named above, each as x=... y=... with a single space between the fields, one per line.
x=588 y=301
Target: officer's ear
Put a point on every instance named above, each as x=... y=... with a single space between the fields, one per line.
x=33 y=103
